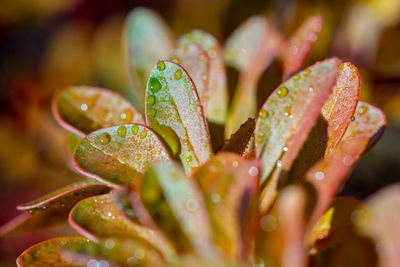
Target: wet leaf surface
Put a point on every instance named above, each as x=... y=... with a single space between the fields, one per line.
x=230 y=187
x=142 y=49
x=286 y=119
x=177 y=206
x=83 y=109
x=239 y=141
x=100 y=218
x=117 y=155
x=217 y=97
x=174 y=111
x=300 y=45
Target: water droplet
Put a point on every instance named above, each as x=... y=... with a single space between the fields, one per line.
x=161 y=65
x=104 y=138
x=191 y=205
x=279 y=163
x=188 y=159
x=109 y=214
x=176 y=60
x=126 y=115
x=253 y=171
x=154 y=84
x=362 y=110
x=260 y=139
x=150 y=100
x=287 y=111
x=297 y=77
x=348 y=160
x=215 y=198
x=263 y=114
x=235 y=163
x=307 y=72
x=311 y=89
x=135 y=129
x=178 y=74
x=143 y=134
x=282 y=92
x=109 y=243
x=353 y=118
x=268 y=223
x=319 y=175
x=84 y=107
x=341 y=66
x=359 y=217
x=121 y=131
x=285 y=149
x=152 y=112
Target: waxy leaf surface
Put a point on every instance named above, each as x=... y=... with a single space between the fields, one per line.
x=99 y=218
x=250 y=49
x=176 y=205
x=328 y=175
x=194 y=59
x=239 y=141
x=77 y=251
x=174 y=111
x=217 y=97
x=83 y=109
x=117 y=155
x=147 y=39
x=300 y=45
x=230 y=187
x=51 y=209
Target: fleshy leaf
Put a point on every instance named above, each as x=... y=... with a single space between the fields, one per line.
x=117 y=155
x=147 y=39
x=337 y=225
x=217 y=97
x=83 y=109
x=77 y=251
x=281 y=240
x=239 y=141
x=328 y=175
x=250 y=49
x=286 y=119
x=174 y=111
x=383 y=224
x=176 y=205
x=300 y=45
x=99 y=218
x=230 y=186
x=51 y=209
x=335 y=117
x=194 y=59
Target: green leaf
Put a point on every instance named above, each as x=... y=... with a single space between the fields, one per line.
x=217 y=97
x=76 y=251
x=194 y=59
x=250 y=49
x=177 y=206
x=174 y=111
x=230 y=187
x=83 y=109
x=328 y=175
x=146 y=39
x=100 y=218
x=52 y=208
x=117 y=155
x=300 y=45
x=286 y=119
x=239 y=141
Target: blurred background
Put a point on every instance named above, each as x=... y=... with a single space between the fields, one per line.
x=47 y=45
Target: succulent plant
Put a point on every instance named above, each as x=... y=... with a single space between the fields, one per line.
x=263 y=201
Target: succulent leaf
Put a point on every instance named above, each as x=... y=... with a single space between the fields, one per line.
x=239 y=141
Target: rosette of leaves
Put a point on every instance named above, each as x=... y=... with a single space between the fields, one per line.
x=157 y=194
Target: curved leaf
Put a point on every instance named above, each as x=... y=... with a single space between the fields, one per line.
x=217 y=97
x=286 y=119
x=300 y=45
x=51 y=209
x=230 y=186
x=250 y=49
x=146 y=39
x=117 y=155
x=99 y=218
x=176 y=205
x=239 y=141
x=197 y=63
x=173 y=111
x=76 y=251
x=328 y=174
x=83 y=109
